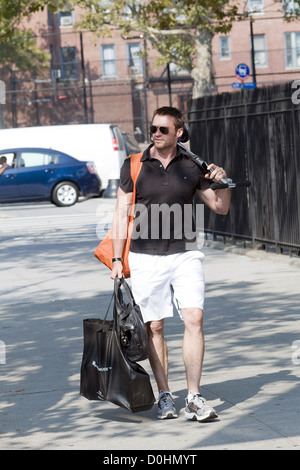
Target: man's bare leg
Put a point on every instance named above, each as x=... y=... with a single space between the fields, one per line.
x=193 y=353
x=158 y=354
x=193 y=347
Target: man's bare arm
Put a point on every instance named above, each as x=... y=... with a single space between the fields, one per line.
x=119 y=229
x=218 y=200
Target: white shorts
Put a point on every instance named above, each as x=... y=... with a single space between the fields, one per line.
x=158 y=280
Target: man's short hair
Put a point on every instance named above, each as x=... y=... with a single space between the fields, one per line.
x=3 y=160
x=170 y=111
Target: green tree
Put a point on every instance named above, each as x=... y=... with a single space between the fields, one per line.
x=18 y=46
x=180 y=30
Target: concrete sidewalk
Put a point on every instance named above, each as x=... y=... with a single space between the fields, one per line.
x=251 y=371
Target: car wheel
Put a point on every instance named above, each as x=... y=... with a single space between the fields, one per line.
x=65 y=194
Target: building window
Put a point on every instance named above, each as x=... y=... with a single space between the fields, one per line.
x=290 y=6
x=69 y=70
x=292 y=50
x=65 y=18
x=255 y=6
x=176 y=70
x=50 y=18
x=109 y=64
x=134 y=59
x=225 y=52
x=260 y=48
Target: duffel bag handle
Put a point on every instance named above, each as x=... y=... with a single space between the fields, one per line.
x=118 y=293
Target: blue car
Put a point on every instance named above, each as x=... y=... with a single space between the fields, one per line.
x=37 y=174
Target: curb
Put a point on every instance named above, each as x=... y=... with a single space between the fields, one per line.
x=253 y=253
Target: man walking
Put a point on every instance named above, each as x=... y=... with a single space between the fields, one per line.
x=166 y=268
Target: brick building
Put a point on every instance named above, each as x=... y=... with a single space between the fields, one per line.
x=105 y=80
x=92 y=80
x=276 y=46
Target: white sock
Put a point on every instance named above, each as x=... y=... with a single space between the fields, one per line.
x=191 y=396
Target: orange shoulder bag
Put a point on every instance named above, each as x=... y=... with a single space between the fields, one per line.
x=104 y=251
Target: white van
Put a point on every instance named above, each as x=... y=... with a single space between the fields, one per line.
x=101 y=143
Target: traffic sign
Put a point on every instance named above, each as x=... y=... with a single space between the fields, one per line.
x=243 y=85
x=242 y=72
x=250 y=85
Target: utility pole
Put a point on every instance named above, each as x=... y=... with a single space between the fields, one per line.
x=252 y=52
x=83 y=81
x=169 y=84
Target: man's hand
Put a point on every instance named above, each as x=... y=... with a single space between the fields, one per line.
x=117 y=270
x=218 y=200
x=217 y=174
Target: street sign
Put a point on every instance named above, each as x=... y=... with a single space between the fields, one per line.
x=242 y=72
x=250 y=85
x=243 y=85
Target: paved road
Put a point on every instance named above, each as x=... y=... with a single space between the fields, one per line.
x=50 y=281
x=93 y=215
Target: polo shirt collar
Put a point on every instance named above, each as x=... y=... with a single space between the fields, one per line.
x=146 y=154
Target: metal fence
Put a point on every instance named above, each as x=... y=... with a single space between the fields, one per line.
x=254 y=135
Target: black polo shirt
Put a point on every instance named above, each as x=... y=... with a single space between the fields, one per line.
x=163 y=222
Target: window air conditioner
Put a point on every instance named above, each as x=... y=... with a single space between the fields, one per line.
x=66 y=21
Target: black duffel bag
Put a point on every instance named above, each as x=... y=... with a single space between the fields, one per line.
x=133 y=335
x=106 y=373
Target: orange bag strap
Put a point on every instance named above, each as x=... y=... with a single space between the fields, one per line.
x=135 y=168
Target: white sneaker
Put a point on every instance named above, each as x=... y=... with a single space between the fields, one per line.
x=198 y=409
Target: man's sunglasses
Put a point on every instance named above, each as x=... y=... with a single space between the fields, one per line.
x=163 y=130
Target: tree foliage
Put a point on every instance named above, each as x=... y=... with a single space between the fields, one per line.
x=18 y=46
x=171 y=26
x=180 y=30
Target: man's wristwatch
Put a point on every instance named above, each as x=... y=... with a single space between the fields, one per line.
x=117 y=259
